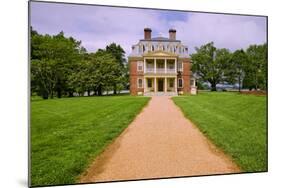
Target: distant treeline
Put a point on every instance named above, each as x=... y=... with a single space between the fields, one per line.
x=219 y=66
x=60 y=66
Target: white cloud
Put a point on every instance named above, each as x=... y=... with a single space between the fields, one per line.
x=227 y=31
x=96 y=26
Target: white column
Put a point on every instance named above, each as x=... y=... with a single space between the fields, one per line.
x=165 y=65
x=176 y=81
x=175 y=65
x=154 y=84
x=144 y=84
x=154 y=65
x=144 y=66
x=165 y=86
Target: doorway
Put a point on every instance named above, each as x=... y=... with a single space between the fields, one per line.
x=160 y=84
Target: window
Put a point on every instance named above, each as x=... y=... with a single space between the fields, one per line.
x=152 y=48
x=140 y=48
x=180 y=84
x=139 y=83
x=180 y=66
x=149 y=82
x=140 y=65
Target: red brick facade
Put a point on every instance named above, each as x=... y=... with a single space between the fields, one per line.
x=185 y=75
x=134 y=75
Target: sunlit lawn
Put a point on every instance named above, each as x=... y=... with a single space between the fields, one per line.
x=67 y=134
x=235 y=122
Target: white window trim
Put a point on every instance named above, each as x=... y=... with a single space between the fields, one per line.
x=180 y=69
x=139 y=63
x=141 y=83
x=179 y=83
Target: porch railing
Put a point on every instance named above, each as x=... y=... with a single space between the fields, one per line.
x=150 y=70
x=159 y=70
x=171 y=71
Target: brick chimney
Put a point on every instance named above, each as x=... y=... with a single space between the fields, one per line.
x=147 y=33
x=172 y=34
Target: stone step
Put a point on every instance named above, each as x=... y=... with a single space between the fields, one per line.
x=160 y=94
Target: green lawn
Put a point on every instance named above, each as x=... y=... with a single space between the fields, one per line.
x=235 y=122
x=67 y=134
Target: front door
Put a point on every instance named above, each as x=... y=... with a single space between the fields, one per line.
x=160 y=84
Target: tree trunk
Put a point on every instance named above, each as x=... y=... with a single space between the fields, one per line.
x=70 y=94
x=89 y=92
x=59 y=92
x=45 y=95
x=239 y=84
x=99 y=91
x=213 y=86
x=114 y=89
x=52 y=94
x=256 y=82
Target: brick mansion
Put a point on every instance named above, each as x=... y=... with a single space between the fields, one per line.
x=160 y=66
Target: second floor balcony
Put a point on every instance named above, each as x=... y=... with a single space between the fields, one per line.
x=160 y=66
x=161 y=70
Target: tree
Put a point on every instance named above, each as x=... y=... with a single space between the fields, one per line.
x=43 y=76
x=256 y=70
x=236 y=69
x=209 y=63
x=119 y=54
x=64 y=53
x=103 y=69
x=61 y=66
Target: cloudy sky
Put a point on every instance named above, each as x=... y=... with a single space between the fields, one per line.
x=97 y=26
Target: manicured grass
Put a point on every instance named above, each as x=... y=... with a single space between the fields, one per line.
x=67 y=134
x=235 y=122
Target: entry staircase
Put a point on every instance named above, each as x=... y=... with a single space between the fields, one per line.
x=160 y=94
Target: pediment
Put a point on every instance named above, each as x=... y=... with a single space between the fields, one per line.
x=160 y=54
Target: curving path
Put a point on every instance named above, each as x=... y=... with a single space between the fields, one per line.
x=160 y=142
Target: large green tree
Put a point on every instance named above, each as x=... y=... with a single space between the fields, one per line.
x=209 y=63
x=103 y=68
x=61 y=66
x=43 y=78
x=256 y=69
x=235 y=72
x=64 y=53
x=119 y=54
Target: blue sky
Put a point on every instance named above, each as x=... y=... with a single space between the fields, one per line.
x=98 y=26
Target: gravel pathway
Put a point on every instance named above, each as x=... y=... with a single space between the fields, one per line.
x=160 y=142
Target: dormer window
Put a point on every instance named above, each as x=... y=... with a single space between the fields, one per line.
x=140 y=48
